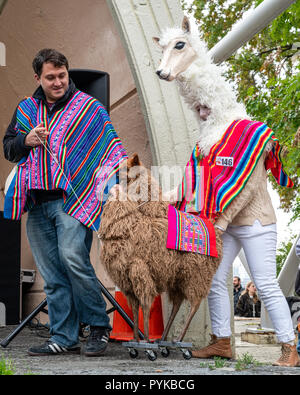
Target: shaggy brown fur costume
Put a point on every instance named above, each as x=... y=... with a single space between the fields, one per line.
x=135 y=256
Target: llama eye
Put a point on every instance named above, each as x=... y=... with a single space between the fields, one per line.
x=179 y=45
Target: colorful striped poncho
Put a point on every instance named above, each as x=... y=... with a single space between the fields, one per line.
x=82 y=158
x=211 y=183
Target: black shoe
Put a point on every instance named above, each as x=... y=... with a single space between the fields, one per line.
x=52 y=348
x=97 y=341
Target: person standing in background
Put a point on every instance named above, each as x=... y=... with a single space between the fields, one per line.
x=248 y=304
x=237 y=290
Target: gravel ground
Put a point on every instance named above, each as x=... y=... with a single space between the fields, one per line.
x=250 y=359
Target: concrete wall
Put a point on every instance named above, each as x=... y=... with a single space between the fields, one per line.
x=85 y=32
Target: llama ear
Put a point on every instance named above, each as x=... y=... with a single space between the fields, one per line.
x=134 y=161
x=156 y=41
x=186 y=27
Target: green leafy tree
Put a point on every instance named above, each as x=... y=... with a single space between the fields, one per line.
x=282 y=253
x=265 y=72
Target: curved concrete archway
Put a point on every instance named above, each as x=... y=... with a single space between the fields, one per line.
x=171 y=126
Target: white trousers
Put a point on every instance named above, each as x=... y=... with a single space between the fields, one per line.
x=259 y=244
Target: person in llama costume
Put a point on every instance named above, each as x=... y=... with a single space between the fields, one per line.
x=226 y=181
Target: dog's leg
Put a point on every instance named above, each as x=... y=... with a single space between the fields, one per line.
x=194 y=308
x=176 y=305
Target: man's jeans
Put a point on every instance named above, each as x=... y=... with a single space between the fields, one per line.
x=61 y=248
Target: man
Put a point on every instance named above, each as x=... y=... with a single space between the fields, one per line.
x=237 y=290
x=62 y=140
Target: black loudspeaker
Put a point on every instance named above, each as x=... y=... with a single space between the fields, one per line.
x=10 y=270
x=94 y=83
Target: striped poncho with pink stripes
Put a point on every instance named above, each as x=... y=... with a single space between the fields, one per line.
x=210 y=183
x=82 y=156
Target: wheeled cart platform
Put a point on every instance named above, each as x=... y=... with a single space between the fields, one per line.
x=151 y=349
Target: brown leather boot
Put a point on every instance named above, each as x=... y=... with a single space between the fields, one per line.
x=289 y=356
x=218 y=347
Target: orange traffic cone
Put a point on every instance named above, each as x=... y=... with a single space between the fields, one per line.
x=122 y=331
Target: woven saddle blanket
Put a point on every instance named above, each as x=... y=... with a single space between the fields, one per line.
x=190 y=233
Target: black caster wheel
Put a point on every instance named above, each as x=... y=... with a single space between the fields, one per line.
x=152 y=356
x=187 y=354
x=133 y=353
x=165 y=352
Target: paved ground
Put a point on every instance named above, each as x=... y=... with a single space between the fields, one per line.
x=251 y=359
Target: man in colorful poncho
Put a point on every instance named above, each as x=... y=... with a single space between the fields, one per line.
x=66 y=147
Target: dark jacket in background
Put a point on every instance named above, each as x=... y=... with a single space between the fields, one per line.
x=246 y=307
x=236 y=295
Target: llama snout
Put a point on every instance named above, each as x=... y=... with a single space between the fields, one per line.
x=163 y=75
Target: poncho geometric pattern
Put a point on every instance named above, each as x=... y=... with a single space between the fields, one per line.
x=211 y=183
x=82 y=157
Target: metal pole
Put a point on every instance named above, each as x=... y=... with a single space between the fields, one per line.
x=119 y=308
x=4 y=343
x=243 y=31
x=286 y=280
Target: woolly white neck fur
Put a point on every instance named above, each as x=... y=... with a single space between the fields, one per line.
x=205 y=90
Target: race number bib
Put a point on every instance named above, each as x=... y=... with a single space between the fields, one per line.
x=224 y=161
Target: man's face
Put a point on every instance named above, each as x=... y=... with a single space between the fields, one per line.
x=235 y=282
x=54 y=81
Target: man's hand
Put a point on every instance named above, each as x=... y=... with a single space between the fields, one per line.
x=36 y=136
